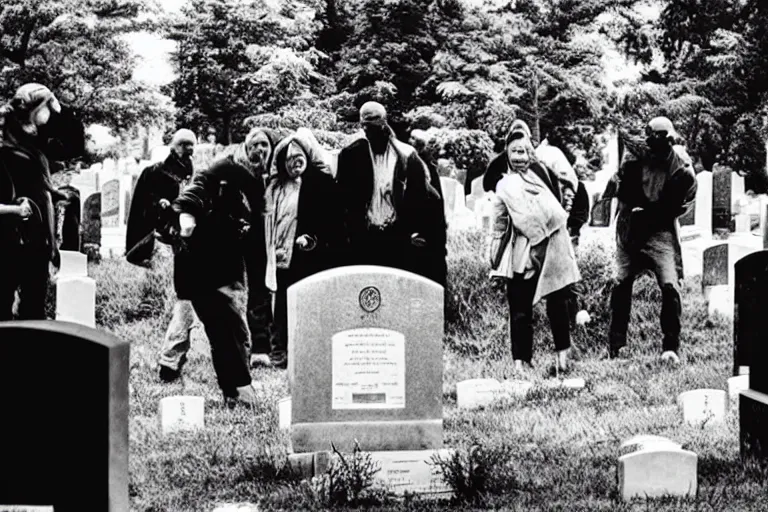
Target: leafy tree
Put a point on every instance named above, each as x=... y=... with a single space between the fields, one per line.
x=77 y=49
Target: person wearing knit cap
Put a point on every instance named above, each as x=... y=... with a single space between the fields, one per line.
x=393 y=215
x=304 y=225
x=35 y=132
x=654 y=186
x=222 y=227
x=151 y=218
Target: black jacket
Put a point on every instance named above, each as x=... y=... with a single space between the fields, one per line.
x=162 y=180
x=579 y=214
x=225 y=199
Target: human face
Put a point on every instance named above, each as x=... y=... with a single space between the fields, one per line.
x=375 y=131
x=295 y=161
x=658 y=142
x=517 y=154
x=258 y=150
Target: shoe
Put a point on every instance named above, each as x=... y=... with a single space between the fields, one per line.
x=168 y=374
x=261 y=361
x=670 y=357
x=247 y=396
x=279 y=361
x=583 y=317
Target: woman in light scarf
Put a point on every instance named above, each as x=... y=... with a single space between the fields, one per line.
x=303 y=224
x=531 y=249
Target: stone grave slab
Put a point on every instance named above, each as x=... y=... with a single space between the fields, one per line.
x=477 y=393
x=517 y=387
x=753 y=425
x=73 y=263
x=703 y=406
x=411 y=471
x=476 y=193
x=742 y=223
x=284 y=413
x=703 y=204
x=719 y=300
x=236 y=507
x=65 y=434
x=658 y=471
x=749 y=322
x=181 y=413
x=25 y=508
x=721 y=199
x=365 y=360
x=736 y=385
x=76 y=300
x=715 y=266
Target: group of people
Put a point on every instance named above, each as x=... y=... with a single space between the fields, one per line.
x=269 y=214
x=272 y=212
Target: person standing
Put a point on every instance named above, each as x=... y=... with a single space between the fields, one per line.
x=35 y=131
x=530 y=247
x=221 y=222
x=393 y=215
x=151 y=218
x=304 y=226
x=654 y=186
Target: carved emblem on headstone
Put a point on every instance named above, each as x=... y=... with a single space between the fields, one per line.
x=370 y=299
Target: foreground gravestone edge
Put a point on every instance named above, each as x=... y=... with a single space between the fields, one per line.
x=384 y=328
x=753 y=425
x=96 y=401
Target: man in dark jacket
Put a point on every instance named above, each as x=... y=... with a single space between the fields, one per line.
x=35 y=130
x=150 y=218
x=221 y=222
x=654 y=187
x=393 y=215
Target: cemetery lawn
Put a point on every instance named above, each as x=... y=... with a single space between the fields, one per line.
x=560 y=447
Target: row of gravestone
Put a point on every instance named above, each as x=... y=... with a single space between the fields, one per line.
x=366 y=367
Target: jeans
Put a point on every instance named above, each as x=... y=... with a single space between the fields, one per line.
x=176 y=343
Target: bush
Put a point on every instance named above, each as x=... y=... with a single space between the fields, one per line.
x=470 y=150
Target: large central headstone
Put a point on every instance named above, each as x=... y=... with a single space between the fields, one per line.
x=64 y=428
x=365 y=360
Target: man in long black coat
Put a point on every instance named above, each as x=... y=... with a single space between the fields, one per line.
x=150 y=218
x=393 y=214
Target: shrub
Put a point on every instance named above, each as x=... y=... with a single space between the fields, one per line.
x=470 y=150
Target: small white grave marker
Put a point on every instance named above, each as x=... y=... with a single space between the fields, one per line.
x=735 y=386
x=411 y=471
x=475 y=393
x=181 y=413
x=703 y=406
x=76 y=300
x=656 y=471
x=73 y=263
x=647 y=442
x=516 y=387
x=743 y=223
x=284 y=412
x=720 y=300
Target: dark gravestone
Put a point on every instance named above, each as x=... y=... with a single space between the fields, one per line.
x=68 y=219
x=750 y=349
x=601 y=213
x=749 y=320
x=715 y=266
x=91 y=226
x=64 y=432
x=721 y=199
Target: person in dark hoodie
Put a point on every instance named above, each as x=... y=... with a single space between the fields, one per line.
x=393 y=215
x=151 y=218
x=35 y=131
x=222 y=227
x=655 y=184
x=304 y=226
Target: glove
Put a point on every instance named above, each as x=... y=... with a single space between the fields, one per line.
x=187 y=224
x=306 y=243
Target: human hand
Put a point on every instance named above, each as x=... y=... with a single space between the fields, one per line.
x=25 y=209
x=187 y=224
x=418 y=240
x=164 y=203
x=306 y=243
